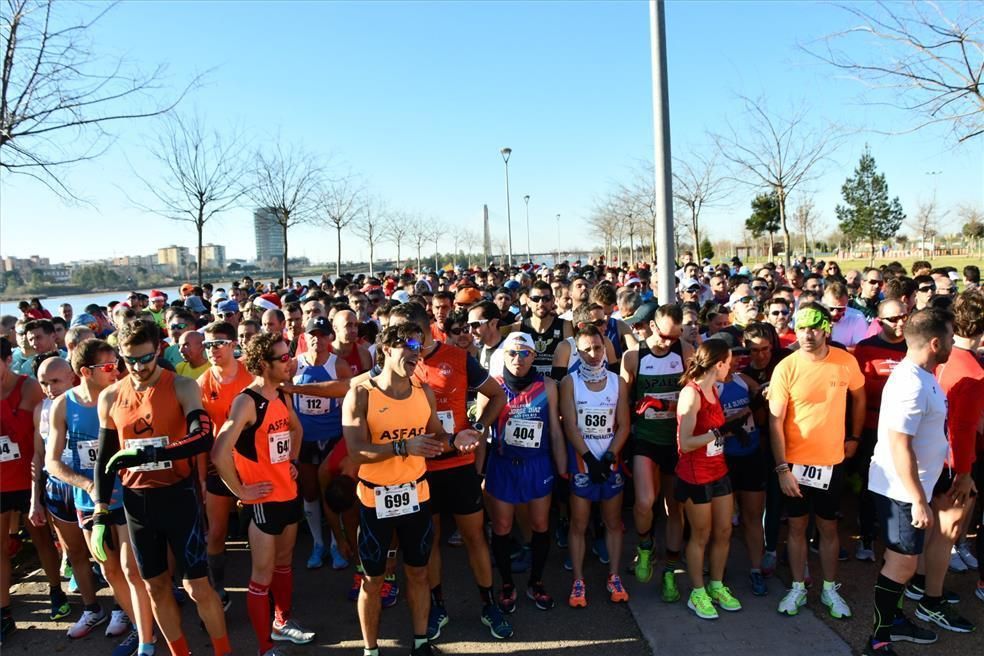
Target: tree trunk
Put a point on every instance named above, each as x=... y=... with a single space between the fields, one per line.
x=201 y=228
x=399 y=260
x=781 y=193
x=418 y=259
x=652 y=243
x=284 y=226
x=695 y=228
x=371 y=273
x=772 y=246
x=338 y=258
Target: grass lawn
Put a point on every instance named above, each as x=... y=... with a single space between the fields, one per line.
x=957 y=261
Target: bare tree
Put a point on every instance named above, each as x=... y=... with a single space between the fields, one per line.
x=972 y=220
x=927 y=223
x=437 y=230
x=58 y=98
x=396 y=229
x=420 y=232
x=471 y=241
x=697 y=183
x=202 y=174
x=605 y=222
x=804 y=221
x=370 y=225
x=286 y=182
x=341 y=201
x=776 y=153
x=917 y=58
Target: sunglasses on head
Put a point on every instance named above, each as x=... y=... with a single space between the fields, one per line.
x=518 y=354
x=147 y=358
x=280 y=358
x=540 y=299
x=216 y=343
x=107 y=367
x=178 y=326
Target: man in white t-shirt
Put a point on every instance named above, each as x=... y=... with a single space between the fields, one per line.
x=908 y=459
x=850 y=326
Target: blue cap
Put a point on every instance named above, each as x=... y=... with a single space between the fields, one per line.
x=195 y=304
x=227 y=306
x=84 y=319
x=511 y=285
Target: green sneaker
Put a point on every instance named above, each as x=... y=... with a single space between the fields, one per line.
x=643 y=565
x=700 y=602
x=722 y=596
x=670 y=591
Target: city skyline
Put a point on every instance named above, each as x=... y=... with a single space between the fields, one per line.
x=419 y=99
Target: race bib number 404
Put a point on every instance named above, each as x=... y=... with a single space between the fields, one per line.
x=396 y=500
x=136 y=443
x=817 y=476
x=9 y=450
x=525 y=433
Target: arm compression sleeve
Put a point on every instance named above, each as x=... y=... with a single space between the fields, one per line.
x=198 y=440
x=109 y=445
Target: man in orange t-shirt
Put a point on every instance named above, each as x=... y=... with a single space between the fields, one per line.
x=808 y=408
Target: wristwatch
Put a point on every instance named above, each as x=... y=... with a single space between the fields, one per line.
x=479 y=426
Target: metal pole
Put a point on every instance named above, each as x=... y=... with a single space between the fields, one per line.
x=529 y=253
x=506 y=152
x=662 y=174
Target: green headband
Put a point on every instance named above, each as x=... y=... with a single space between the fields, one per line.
x=812 y=318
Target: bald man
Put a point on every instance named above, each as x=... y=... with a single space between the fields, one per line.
x=273 y=322
x=346 y=345
x=192 y=348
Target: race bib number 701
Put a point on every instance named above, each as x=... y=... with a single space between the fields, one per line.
x=816 y=476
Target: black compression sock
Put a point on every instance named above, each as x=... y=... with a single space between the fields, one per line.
x=919 y=581
x=485 y=594
x=887 y=593
x=541 y=547
x=500 y=550
x=437 y=595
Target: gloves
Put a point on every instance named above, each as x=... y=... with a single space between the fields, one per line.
x=608 y=459
x=736 y=428
x=102 y=535
x=131 y=458
x=597 y=471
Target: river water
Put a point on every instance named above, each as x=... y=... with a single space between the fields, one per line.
x=79 y=301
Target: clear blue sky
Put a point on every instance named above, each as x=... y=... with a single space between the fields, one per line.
x=419 y=97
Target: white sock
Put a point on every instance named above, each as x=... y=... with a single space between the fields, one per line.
x=312 y=513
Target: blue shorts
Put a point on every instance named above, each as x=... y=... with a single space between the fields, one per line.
x=582 y=486
x=519 y=480
x=59 y=499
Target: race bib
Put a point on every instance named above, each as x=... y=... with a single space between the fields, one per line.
x=279 y=447
x=314 y=405
x=524 y=433
x=136 y=443
x=396 y=500
x=715 y=447
x=87 y=450
x=9 y=450
x=817 y=476
x=447 y=420
x=543 y=369
x=596 y=422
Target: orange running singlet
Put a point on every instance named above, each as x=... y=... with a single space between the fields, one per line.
x=262 y=452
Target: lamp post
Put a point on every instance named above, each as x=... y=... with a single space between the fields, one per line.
x=506 y=152
x=529 y=252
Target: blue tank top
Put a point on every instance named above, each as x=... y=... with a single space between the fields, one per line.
x=611 y=332
x=320 y=417
x=82 y=424
x=523 y=427
x=735 y=398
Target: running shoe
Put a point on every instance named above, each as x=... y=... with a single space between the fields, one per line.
x=390 y=591
x=864 y=552
x=916 y=593
x=759 y=587
x=643 y=565
x=538 y=595
x=60 y=608
x=768 y=563
x=670 y=591
x=317 y=558
x=722 y=597
x=73 y=585
x=794 y=600
x=338 y=561
x=979 y=591
x=276 y=650
x=66 y=567
x=905 y=630
x=560 y=533
x=119 y=624
x=498 y=625
x=956 y=562
x=600 y=549
x=455 y=539
x=129 y=646
x=436 y=621
x=944 y=616
x=423 y=650
x=830 y=597
x=291 y=631
x=842 y=555
x=353 y=593
x=87 y=623
x=879 y=649
x=700 y=602
x=616 y=591
x=966 y=555
x=578 y=598
x=507 y=599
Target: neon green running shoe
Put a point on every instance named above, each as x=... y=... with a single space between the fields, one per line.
x=670 y=591
x=643 y=565
x=700 y=602
x=722 y=596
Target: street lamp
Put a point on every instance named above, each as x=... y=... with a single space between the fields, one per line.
x=529 y=253
x=506 y=152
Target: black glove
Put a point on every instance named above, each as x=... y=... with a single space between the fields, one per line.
x=608 y=460
x=132 y=458
x=736 y=428
x=597 y=472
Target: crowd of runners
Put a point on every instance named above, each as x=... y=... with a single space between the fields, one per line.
x=391 y=416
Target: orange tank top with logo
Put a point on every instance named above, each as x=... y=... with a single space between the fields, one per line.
x=262 y=452
x=445 y=370
x=389 y=420
x=217 y=397
x=151 y=417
